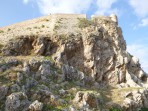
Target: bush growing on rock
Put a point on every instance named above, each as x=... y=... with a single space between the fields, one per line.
x=85 y=23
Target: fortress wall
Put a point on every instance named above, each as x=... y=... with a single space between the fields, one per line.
x=112 y=18
x=35 y=20
x=93 y=17
x=58 y=15
x=68 y=15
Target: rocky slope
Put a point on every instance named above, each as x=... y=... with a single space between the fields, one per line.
x=68 y=63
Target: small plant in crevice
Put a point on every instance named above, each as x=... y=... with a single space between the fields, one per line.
x=50 y=108
x=46 y=20
x=8 y=29
x=35 y=27
x=49 y=58
x=43 y=26
x=56 y=27
x=62 y=37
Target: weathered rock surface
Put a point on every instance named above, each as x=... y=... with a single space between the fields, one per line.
x=16 y=102
x=76 y=64
x=136 y=99
x=83 y=99
x=3 y=91
x=36 y=106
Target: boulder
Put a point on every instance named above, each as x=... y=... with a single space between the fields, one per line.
x=86 y=98
x=70 y=73
x=44 y=70
x=15 y=88
x=135 y=100
x=19 y=77
x=3 y=91
x=36 y=106
x=16 y=102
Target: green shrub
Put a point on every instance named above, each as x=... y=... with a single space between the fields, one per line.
x=115 y=109
x=35 y=27
x=1 y=46
x=9 y=29
x=47 y=20
x=144 y=109
x=84 y=23
x=43 y=26
x=56 y=27
x=48 y=58
x=1 y=31
x=50 y=108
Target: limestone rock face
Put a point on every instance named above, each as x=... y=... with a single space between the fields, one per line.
x=59 y=62
x=101 y=52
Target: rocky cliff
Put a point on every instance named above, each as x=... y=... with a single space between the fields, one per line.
x=68 y=63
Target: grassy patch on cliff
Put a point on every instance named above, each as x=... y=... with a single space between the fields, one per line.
x=1 y=31
x=1 y=46
x=144 y=109
x=84 y=23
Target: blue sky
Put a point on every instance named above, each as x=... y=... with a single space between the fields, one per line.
x=132 y=15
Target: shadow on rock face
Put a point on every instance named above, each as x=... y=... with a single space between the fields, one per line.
x=29 y=45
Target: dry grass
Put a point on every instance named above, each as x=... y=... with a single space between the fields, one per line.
x=116 y=95
x=43 y=25
x=111 y=94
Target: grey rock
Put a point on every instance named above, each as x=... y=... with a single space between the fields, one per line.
x=16 y=101
x=34 y=64
x=44 y=70
x=3 y=91
x=26 y=68
x=36 y=106
x=15 y=88
x=70 y=73
x=19 y=77
x=62 y=92
x=86 y=99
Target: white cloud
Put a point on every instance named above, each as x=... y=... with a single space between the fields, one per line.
x=25 y=1
x=105 y=4
x=74 y=6
x=140 y=51
x=141 y=10
x=105 y=7
x=140 y=7
x=63 y=6
x=144 y=22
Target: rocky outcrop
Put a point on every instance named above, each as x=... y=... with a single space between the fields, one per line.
x=3 y=91
x=87 y=99
x=36 y=106
x=136 y=100
x=16 y=101
x=26 y=45
x=98 y=51
x=72 y=74
x=73 y=68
